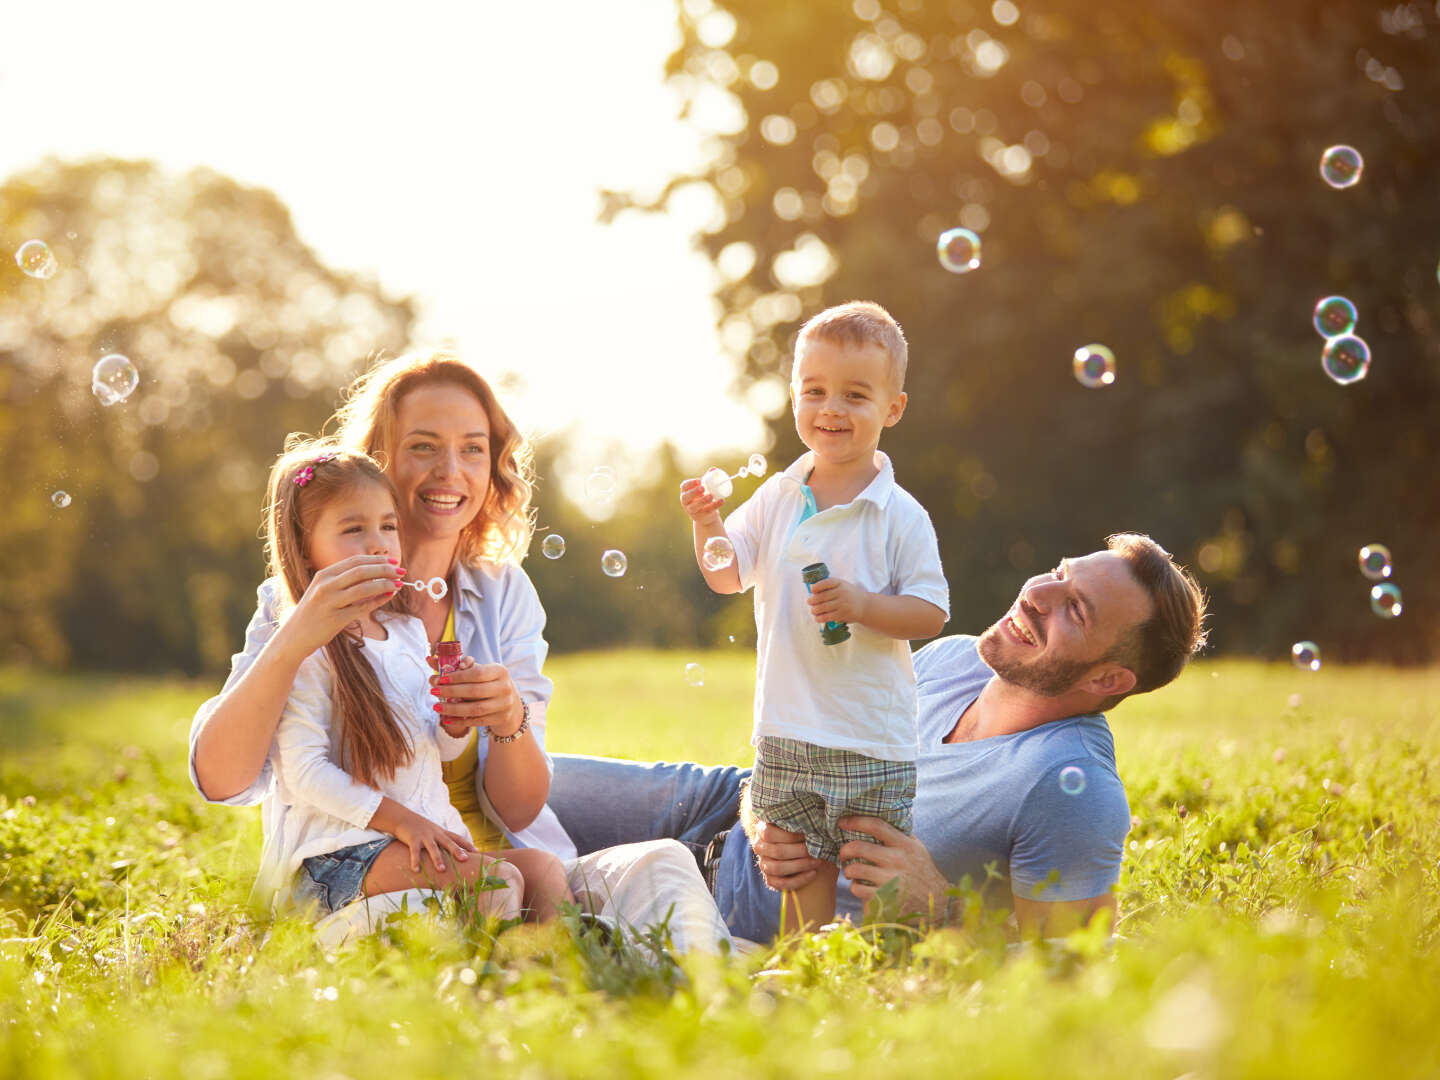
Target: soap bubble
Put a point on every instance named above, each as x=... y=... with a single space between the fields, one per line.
x=36 y=259
x=1334 y=316
x=694 y=674
x=1305 y=655
x=614 y=563
x=1094 y=366
x=1072 y=780
x=757 y=465
x=716 y=482
x=553 y=546
x=1386 y=601
x=718 y=553
x=600 y=485
x=113 y=379
x=958 y=250
x=1346 y=359
x=1340 y=166
x=1375 y=562
x=60 y=500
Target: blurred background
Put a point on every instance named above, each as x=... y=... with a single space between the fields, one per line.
x=624 y=213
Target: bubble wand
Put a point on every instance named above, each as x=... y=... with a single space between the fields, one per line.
x=719 y=484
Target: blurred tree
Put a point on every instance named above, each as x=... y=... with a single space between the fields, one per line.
x=239 y=335
x=1145 y=176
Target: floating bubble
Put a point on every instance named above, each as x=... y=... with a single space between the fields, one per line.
x=553 y=546
x=1335 y=316
x=614 y=563
x=1341 y=166
x=716 y=482
x=600 y=485
x=718 y=553
x=1346 y=359
x=1386 y=601
x=958 y=250
x=1375 y=562
x=113 y=379
x=694 y=674
x=60 y=500
x=1305 y=655
x=1094 y=366
x=1072 y=780
x=732 y=639
x=757 y=465
x=36 y=259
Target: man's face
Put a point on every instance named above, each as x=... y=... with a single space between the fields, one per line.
x=1064 y=623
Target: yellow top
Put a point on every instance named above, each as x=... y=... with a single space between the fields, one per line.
x=460 y=779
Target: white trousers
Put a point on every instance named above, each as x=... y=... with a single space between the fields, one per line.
x=633 y=886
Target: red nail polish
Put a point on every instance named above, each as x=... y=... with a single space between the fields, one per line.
x=444 y=680
x=438 y=709
x=393 y=562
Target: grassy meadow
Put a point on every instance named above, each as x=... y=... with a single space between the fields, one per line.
x=1280 y=912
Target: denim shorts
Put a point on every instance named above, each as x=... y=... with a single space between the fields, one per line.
x=337 y=878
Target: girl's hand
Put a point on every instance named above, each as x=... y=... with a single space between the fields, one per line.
x=341 y=593
x=477 y=695
x=420 y=834
x=703 y=508
x=833 y=600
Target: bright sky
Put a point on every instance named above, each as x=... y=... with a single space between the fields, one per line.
x=453 y=150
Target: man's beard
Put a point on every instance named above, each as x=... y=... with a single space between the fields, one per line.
x=1048 y=678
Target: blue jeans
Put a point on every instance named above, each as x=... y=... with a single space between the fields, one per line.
x=605 y=801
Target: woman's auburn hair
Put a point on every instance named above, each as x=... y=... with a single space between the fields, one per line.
x=367 y=421
x=373 y=743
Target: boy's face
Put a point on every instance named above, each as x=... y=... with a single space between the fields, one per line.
x=843 y=397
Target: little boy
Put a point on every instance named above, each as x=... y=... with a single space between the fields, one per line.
x=834 y=723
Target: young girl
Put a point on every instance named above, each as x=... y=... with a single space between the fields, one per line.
x=357 y=755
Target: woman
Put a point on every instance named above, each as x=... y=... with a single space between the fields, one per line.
x=463 y=474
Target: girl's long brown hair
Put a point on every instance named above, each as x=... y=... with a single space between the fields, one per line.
x=502 y=530
x=373 y=744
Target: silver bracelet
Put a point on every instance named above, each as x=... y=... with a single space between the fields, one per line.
x=524 y=726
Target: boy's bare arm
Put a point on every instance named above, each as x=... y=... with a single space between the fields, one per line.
x=704 y=511
x=907 y=618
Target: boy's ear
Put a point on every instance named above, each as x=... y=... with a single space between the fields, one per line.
x=897 y=409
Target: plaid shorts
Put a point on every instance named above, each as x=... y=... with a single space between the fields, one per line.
x=807 y=789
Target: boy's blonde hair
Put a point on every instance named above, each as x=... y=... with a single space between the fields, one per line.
x=858 y=323
x=366 y=421
x=305 y=478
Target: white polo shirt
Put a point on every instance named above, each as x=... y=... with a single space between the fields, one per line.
x=858 y=695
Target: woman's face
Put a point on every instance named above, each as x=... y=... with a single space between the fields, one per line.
x=441 y=465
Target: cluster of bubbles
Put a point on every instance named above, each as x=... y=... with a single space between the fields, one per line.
x=600 y=485
x=1094 y=366
x=60 y=500
x=36 y=259
x=1072 y=780
x=958 y=250
x=113 y=379
x=1376 y=565
x=553 y=546
x=614 y=563
x=1341 y=166
x=1305 y=655
x=694 y=675
x=719 y=484
x=1346 y=357
x=718 y=553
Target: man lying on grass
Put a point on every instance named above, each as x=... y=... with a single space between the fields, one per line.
x=1015 y=770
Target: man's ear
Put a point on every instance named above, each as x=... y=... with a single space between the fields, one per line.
x=897 y=409
x=1110 y=680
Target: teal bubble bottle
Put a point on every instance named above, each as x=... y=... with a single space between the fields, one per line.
x=832 y=633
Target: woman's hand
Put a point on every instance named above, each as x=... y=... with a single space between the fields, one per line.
x=477 y=695
x=338 y=595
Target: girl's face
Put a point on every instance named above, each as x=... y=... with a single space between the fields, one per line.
x=361 y=520
x=441 y=465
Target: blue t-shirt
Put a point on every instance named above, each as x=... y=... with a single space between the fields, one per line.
x=1000 y=800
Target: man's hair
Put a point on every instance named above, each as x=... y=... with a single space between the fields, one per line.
x=1157 y=649
x=860 y=323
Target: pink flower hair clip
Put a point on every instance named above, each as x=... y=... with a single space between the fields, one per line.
x=305 y=475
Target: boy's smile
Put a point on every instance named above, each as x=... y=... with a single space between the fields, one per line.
x=843 y=396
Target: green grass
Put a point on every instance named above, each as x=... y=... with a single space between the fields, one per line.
x=1281 y=899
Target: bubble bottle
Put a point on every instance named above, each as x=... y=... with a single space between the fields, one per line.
x=832 y=633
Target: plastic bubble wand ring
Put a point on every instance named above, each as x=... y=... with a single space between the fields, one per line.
x=436 y=587
x=719 y=484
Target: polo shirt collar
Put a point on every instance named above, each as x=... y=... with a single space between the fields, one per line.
x=877 y=491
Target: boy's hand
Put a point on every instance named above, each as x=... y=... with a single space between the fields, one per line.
x=833 y=600
x=703 y=508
